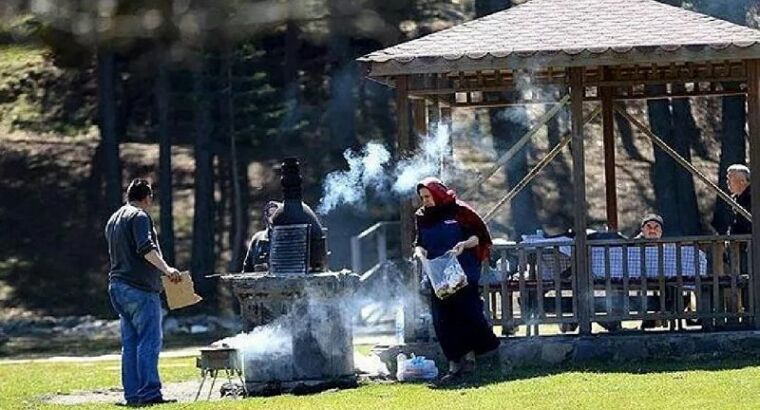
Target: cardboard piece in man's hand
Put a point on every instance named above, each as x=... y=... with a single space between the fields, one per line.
x=180 y=294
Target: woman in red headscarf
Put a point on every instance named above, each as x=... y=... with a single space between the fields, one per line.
x=445 y=224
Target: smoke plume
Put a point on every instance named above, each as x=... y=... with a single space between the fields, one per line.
x=371 y=170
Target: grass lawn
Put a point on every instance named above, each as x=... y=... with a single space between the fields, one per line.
x=730 y=385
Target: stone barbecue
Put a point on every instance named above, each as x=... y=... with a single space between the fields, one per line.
x=303 y=304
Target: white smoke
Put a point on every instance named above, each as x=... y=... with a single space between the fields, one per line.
x=371 y=170
x=271 y=343
x=365 y=170
x=426 y=162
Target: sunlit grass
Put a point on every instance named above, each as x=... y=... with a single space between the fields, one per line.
x=714 y=385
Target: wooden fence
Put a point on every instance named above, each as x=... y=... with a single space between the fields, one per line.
x=703 y=280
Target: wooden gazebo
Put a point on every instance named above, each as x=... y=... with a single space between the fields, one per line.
x=602 y=51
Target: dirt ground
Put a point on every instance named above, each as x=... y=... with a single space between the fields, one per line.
x=183 y=392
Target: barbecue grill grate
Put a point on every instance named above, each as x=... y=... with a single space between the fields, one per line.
x=289 y=250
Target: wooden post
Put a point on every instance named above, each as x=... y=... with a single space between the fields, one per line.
x=405 y=147
x=382 y=244
x=610 y=181
x=434 y=113
x=434 y=119
x=584 y=294
x=753 y=120
x=446 y=122
x=356 y=255
x=420 y=118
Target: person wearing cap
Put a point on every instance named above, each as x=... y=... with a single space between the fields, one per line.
x=651 y=227
x=258 y=247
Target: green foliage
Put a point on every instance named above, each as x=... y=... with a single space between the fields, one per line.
x=37 y=96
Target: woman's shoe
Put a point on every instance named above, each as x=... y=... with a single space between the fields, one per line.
x=449 y=379
x=468 y=367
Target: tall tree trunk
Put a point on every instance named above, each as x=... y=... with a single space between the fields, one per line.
x=237 y=238
x=685 y=133
x=221 y=210
x=108 y=138
x=626 y=136
x=560 y=170
x=733 y=145
x=343 y=78
x=507 y=126
x=293 y=111
x=165 y=189
x=663 y=171
x=733 y=151
x=203 y=218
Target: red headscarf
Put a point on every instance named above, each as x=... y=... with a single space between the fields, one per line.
x=447 y=204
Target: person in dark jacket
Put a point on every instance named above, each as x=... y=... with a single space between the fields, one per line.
x=738 y=180
x=258 y=248
x=134 y=286
x=445 y=224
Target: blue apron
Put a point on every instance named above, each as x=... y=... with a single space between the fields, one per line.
x=441 y=237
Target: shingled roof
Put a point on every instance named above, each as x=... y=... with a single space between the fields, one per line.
x=564 y=33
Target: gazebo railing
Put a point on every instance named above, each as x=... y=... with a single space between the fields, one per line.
x=706 y=280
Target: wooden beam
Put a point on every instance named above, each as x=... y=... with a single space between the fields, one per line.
x=608 y=130
x=540 y=165
x=753 y=122
x=585 y=296
x=517 y=146
x=683 y=162
x=668 y=95
x=502 y=103
x=419 y=108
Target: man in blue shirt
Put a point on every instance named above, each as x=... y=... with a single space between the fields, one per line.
x=134 y=285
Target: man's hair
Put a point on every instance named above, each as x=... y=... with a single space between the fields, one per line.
x=138 y=190
x=740 y=168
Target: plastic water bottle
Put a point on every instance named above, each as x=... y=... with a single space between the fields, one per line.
x=400 y=325
x=400 y=367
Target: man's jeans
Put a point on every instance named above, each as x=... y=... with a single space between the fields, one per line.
x=140 y=315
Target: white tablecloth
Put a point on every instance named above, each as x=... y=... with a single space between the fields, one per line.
x=551 y=264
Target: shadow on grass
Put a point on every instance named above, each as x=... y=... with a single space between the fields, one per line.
x=487 y=375
x=42 y=347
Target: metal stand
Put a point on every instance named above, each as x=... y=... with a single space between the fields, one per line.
x=213 y=373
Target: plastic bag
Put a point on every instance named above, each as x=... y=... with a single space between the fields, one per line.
x=446 y=274
x=416 y=368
